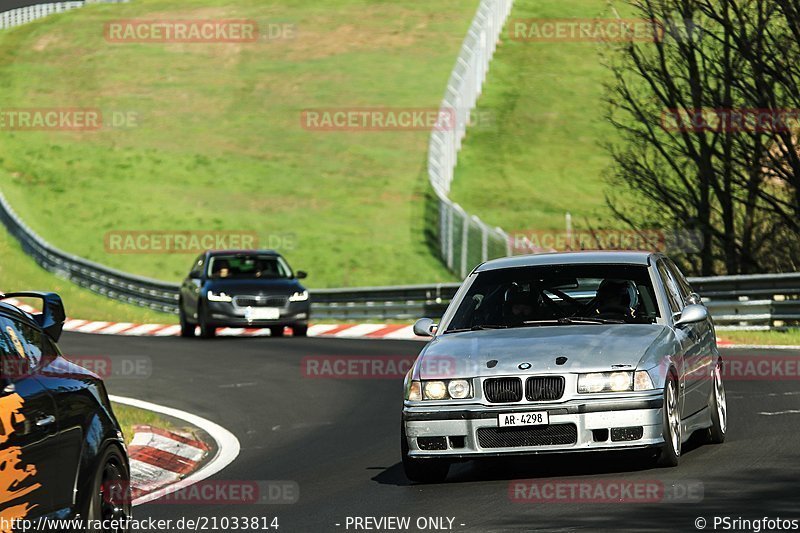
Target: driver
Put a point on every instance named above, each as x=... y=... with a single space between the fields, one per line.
x=519 y=305
x=223 y=268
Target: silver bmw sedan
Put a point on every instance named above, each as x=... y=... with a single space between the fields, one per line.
x=565 y=352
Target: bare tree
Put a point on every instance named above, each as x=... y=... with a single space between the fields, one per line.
x=695 y=150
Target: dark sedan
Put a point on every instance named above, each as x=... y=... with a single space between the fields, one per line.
x=243 y=289
x=62 y=453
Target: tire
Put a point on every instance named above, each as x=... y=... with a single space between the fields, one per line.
x=109 y=498
x=422 y=470
x=670 y=453
x=276 y=331
x=187 y=329
x=300 y=331
x=719 y=409
x=206 y=331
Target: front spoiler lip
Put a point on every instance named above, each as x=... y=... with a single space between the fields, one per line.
x=526 y=451
x=410 y=414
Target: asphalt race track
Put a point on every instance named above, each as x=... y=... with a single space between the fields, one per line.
x=338 y=439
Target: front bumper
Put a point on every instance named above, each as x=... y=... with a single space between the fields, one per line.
x=472 y=430
x=222 y=314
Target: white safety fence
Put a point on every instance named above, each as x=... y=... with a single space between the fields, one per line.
x=24 y=15
x=464 y=240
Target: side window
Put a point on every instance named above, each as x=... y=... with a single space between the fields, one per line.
x=673 y=294
x=680 y=279
x=197 y=267
x=14 y=358
x=31 y=339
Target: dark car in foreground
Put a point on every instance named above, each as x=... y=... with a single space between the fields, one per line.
x=571 y=352
x=62 y=454
x=243 y=289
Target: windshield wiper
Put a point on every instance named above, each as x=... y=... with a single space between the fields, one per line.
x=477 y=328
x=588 y=320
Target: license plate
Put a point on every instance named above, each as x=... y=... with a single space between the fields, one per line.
x=262 y=313
x=536 y=418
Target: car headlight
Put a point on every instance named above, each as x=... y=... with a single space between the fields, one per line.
x=614 y=382
x=221 y=297
x=434 y=390
x=454 y=389
x=459 y=389
x=299 y=297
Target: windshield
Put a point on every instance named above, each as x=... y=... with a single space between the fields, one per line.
x=239 y=266
x=557 y=295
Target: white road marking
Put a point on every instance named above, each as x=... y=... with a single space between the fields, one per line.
x=789 y=412
x=228 y=446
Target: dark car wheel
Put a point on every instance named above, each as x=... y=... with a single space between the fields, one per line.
x=300 y=331
x=207 y=331
x=276 y=331
x=109 y=499
x=187 y=329
x=670 y=452
x=422 y=470
x=719 y=409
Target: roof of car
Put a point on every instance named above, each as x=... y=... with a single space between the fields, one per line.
x=236 y=252
x=568 y=258
x=8 y=308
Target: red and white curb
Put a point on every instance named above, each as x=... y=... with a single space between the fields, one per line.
x=163 y=462
x=350 y=331
x=347 y=331
x=159 y=458
x=343 y=331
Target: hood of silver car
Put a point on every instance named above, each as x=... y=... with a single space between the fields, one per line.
x=520 y=351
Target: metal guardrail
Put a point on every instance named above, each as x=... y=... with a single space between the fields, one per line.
x=463 y=240
x=760 y=301
x=129 y=288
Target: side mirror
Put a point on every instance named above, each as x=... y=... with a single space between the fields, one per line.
x=194 y=275
x=424 y=327
x=692 y=314
x=301 y=274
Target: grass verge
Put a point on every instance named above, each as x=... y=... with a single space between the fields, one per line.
x=540 y=156
x=789 y=337
x=129 y=417
x=217 y=141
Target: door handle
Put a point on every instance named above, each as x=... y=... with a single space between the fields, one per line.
x=45 y=421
